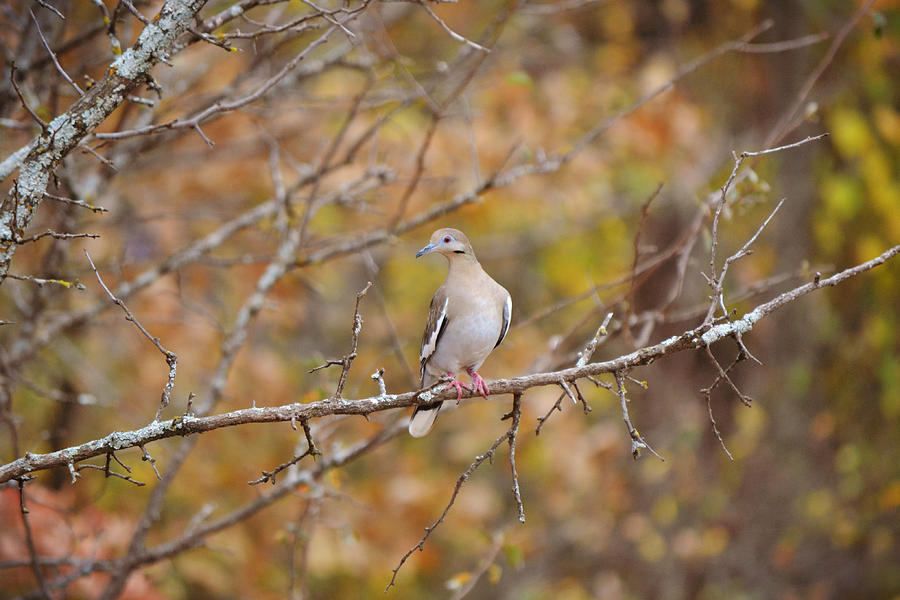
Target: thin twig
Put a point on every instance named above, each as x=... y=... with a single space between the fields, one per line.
x=723 y=376
x=509 y=435
x=42 y=282
x=171 y=357
x=707 y=392
x=637 y=442
x=311 y=450
x=29 y=540
x=12 y=79
x=109 y=472
x=513 y=432
x=584 y=357
x=146 y=457
x=56 y=235
x=91 y=207
x=716 y=282
x=629 y=297
x=449 y=31
x=347 y=360
x=556 y=406
x=51 y=8
x=53 y=55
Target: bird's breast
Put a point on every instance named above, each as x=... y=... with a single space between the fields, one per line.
x=467 y=341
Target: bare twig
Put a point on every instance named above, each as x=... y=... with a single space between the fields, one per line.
x=91 y=207
x=489 y=455
x=56 y=235
x=311 y=450
x=42 y=282
x=146 y=457
x=53 y=55
x=716 y=282
x=110 y=473
x=51 y=8
x=707 y=392
x=556 y=406
x=29 y=540
x=12 y=79
x=171 y=357
x=783 y=46
x=516 y=415
x=347 y=360
x=723 y=375
x=449 y=31
x=629 y=298
x=584 y=357
x=637 y=442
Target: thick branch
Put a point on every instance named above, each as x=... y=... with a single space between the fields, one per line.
x=66 y=131
x=696 y=338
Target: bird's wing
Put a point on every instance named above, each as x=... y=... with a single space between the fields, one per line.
x=434 y=328
x=507 y=315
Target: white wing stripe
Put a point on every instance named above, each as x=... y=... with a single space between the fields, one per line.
x=429 y=346
x=507 y=317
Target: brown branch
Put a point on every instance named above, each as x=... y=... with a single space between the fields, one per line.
x=696 y=338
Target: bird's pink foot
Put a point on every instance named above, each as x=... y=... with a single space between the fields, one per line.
x=478 y=383
x=459 y=385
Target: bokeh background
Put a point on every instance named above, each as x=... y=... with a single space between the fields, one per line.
x=807 y=509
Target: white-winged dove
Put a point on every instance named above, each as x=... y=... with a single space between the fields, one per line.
x=469 y=317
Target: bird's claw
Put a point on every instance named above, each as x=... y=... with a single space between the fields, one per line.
x=478 y=384
x=458 y=385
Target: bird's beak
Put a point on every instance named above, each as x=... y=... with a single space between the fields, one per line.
x=426 y=250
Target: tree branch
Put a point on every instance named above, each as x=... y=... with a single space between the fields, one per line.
x=696 y=338
x=67 y=131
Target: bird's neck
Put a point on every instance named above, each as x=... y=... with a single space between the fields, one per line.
x=463 y=266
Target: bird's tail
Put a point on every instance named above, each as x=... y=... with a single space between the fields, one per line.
x=423 y=418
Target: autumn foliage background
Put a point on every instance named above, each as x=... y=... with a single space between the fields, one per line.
x=807 y=509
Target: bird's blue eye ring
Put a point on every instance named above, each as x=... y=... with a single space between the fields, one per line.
x=447 y=239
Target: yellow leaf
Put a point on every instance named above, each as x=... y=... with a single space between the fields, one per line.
x=494 y=573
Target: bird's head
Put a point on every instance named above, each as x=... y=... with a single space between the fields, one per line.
x=451 y=243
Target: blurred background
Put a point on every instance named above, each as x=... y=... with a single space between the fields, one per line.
x=347 y=145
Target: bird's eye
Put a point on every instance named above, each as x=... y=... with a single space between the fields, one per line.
x=448 y=239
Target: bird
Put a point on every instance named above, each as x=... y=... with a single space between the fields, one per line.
x=468 y=318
